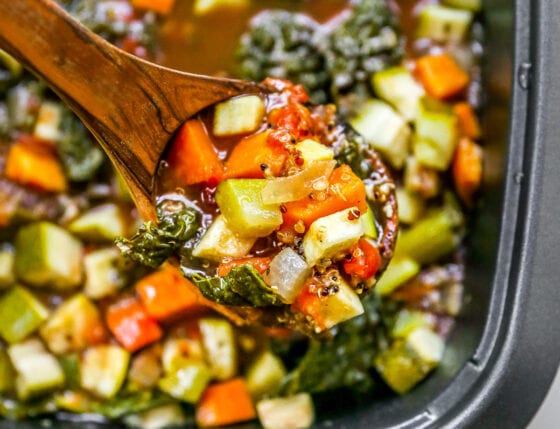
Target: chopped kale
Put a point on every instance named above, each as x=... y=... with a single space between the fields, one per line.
x=130 y=403
x=153 y=244
x=242 y=286
x=350 y=148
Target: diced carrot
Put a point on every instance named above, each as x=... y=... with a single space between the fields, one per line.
x=35 y=164
x=167 y=293
x=260 y=263
x=252 y=155
x=467 y=169
x=131 y=325
x=158 y=6
x=364 y=260
x=468 y=122
x=193 y=157
x=225 y=403
x=441 y=76
x=309 y=303
x=345 y=190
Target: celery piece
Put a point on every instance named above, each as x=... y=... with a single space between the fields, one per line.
x=101 y=223
x=102 y=276
x=443 y=24
x=188 y=382
x=21 y=314
x=472 y=5
x=73 y=326
x=47 y=255
x=49 y=118
x=311 y=150
x=240 y=201
x=397 y=86
x=7 y=258
x=385 y=130
x=411 y=206
x=238 y=115
x=437 y=134
x=103 y=369
x=399 y=271
x=293 y=412
x=164 y=416
x=410 y=320
x=220 y=241
x=431 y=238
x=331 y=234
x=7 y=375
x=37 y=370
x=264 y=374
x=407 y=361
x=220 y=349
x=368 y=222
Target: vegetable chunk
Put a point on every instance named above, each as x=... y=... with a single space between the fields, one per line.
x=238 y=115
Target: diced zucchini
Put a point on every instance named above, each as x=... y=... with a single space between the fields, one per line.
x=73 y=401
x=37 y=370
x=443 y=24
x=311 y=150
x=429 y=239
x=145 y=369
x=473 y=5
x=398 y=272
x=202 y=7
x=294 y=412
x=218 y=341
x=101 y=223
x=188 y=382
x=47 y=255
x=20 y=314
x=7 y=275
x=49 y=117
x=73 y=326
x=410 y=320
x=287 y=274
x=102 y=276
x=240 y=201
x=385 y=130
x=437 y=134
x=330 y=235
x=220 y=241
x=238 y=115
x=164 y=416
x=103 y=369
x=368 y=222
x=264 y=374
x=411 y=206
x=7 y=375
x=338 y=307
x=407 y=362
x=421 y=180
x=397 y=86
x=177 y=350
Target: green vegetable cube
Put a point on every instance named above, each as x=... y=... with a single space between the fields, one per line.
x=443 y=24
x=188 y=382
x=37 y=370
x=311 y=150
x=220 y=241
x=340 y=306
x=264 y=374
x=103 y=370
x=47 y=255
x=399 y=271
x=239 y=115
x=218 y=341
x=7 y=375
x=7 y=275
x=410 y=320
x=21 y=314
x=240 y=201
x=411 y=206
x=385 y=130
x=293 y=412
x=102 y=276
x=437 y=134
x=368 y=222
x=101 y=223
x=330 y=235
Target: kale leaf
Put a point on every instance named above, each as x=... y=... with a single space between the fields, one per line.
x=153 y=244
x=242 y=286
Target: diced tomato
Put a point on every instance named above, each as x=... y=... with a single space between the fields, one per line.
x=364 y=260
x=260 y=263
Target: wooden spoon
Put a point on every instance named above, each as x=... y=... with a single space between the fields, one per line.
x=132 y=107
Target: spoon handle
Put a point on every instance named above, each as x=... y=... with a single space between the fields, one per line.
x=133 y=107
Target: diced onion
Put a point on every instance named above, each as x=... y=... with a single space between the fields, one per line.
x=287 y=274
x=292 y=188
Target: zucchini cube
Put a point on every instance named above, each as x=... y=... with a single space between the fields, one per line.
x=443 y=24
x=21 y=314
x=399 y=270
x=331 y=234
x=311 y=150
x=7 y=375
x=239 y=115
x=220 y=349
x=103 y=370
x=102 y=276
x=101 y=223
x=188 y=382
x=264 y=374
x=287 y=413
x=339 y=307
x=7 y=259
x=240 y=201
x=47 y=255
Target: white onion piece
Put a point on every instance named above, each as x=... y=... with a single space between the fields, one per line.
x=287 y=274
x=292 y=188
